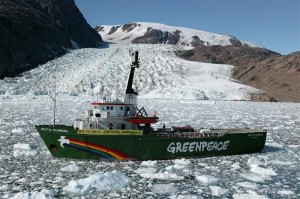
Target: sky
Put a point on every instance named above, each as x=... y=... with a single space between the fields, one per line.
x=273 y=24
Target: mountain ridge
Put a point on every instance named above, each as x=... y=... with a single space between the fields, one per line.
x=250 y=60
x=155 y=33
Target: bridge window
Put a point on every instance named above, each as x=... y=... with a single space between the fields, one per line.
x=123 y=126
x=121 y=108
x=111 y=108
x=107 y=107
x=97 y=115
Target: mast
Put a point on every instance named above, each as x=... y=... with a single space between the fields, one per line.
x=131 y=94
x=135 y=63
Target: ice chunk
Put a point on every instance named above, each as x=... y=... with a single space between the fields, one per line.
x=164 y=188
x=182 y=161
x=19 y=131
x=44 y=194
x=5 y=187
x=263 y=171
x=253 y=162
x=24 y=150
x=97 y=182
x=149 y=163
x=285 y=192
x=71 y=168
x=20 y=153
x=249 y=195
x=277 y=162
x=249 y=185
x=20 y=146
x=175 y=167
x=145 y=170
x=217 y=191
x=235 y=166
x=254 y=177
x=206 y=179
x=180 y=164
x=162 y=176
x=5 y=157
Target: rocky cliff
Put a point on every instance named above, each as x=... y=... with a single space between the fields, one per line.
x=278 y=75
x=35 y=31
x=261 y=68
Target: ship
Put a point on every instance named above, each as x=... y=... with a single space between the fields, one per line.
x=119 y=130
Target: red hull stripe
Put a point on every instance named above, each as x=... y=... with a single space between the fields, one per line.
x=142 y=120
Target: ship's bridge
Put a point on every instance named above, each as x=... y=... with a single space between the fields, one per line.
x=112 y=110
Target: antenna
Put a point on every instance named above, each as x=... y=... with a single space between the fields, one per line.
x=54 y=111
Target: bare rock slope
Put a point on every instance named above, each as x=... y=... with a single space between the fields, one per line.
x=278 y=75
x=35 y=31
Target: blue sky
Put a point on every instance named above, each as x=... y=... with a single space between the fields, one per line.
x=274 y=24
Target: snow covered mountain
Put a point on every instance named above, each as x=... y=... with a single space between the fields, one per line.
x=162 y=75
x=154 y=33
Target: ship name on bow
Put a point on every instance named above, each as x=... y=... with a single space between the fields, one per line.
x=55 y=130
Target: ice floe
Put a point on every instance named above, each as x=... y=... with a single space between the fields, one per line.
x=249 y=195
x=97 y=182
x=272 y=173
x=164 y=188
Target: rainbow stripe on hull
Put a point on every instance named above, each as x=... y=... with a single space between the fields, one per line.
x=95 y=150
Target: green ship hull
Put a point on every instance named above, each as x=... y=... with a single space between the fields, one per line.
x=67 y=142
